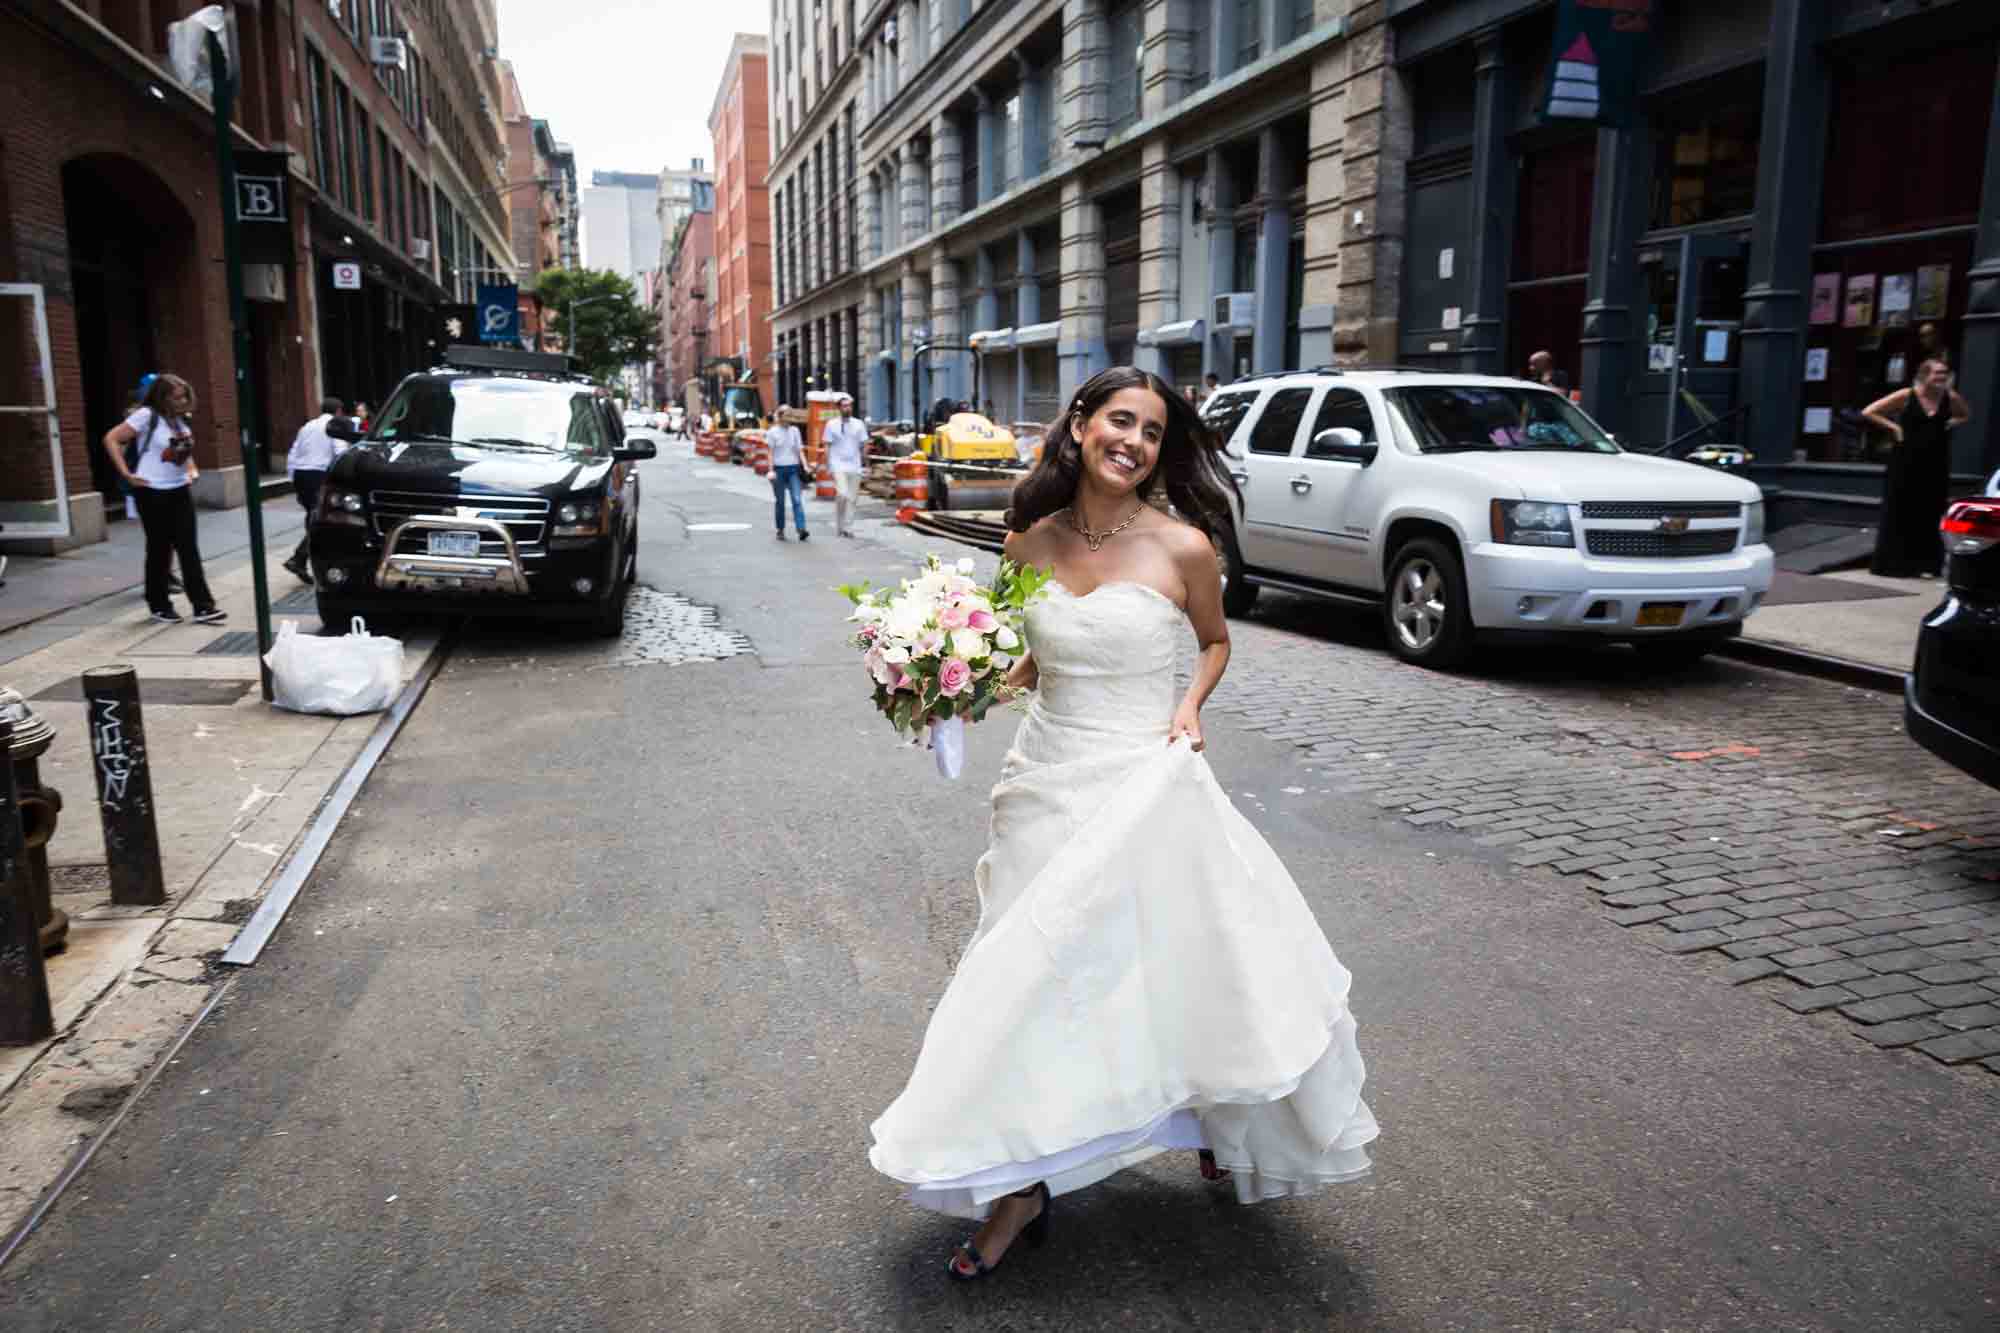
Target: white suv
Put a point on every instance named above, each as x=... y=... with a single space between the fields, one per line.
x=1475 y=508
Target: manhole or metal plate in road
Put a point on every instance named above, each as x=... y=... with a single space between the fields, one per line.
x=667 y=630
x=155 y=691
x=298 y=601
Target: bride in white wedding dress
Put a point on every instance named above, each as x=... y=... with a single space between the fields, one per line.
x=1145 y=974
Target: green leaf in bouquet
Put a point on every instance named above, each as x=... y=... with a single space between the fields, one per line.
x=945 y=708
x=855 y=593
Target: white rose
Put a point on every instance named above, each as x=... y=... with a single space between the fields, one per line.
x=965 y=566
x=907 y=618
x=1006 y=638
x=968 y=643
x=1001 y=661
x=896 y=653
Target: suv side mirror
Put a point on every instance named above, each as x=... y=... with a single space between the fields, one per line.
x=633 y=451
x=343 y=428
x=1344 y=443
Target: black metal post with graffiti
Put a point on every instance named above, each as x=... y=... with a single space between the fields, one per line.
x=124 y=785
x=25 y=1015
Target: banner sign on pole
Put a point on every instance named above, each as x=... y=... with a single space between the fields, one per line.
x=1594 y=72
x=499 y=313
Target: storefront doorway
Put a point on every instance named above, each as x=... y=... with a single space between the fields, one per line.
x=1691 y=343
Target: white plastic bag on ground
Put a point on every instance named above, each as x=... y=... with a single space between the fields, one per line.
x=357 y=672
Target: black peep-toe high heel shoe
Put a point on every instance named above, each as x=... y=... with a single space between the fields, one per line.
x=1035 y=1232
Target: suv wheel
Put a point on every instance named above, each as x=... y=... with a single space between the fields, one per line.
x=1238 y=593
x=1424 y=608
x=610 y=620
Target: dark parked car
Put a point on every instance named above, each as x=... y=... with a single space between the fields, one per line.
x=1951 y=701
x=499 y=484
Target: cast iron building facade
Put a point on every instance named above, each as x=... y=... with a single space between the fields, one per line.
x=1054 y=186
x=1807 y=206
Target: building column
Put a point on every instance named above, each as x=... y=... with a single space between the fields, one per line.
x=1159 y=250
x=881 y=383
x=1084 y=112
x=1081 y=350
x=906 y=43
x=1975 y=447
x=1373 y=202
x=1221 y=38
x=915 y=389
x=947 y=171
x=1617 y=206
x=948 y=371
x=1170 y=35
x=1325 y=184
x=868 y=81
x=1482 y=342
x=1274 y=239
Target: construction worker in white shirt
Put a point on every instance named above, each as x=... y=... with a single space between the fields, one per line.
x=847 y=457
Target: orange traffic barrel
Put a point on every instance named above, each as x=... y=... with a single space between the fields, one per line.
x=823 y=488
x=913 y=483
x=760 y=454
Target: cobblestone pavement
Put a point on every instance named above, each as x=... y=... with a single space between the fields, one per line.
x=1784 y=827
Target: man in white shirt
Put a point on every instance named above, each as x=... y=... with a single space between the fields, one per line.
x=787 y=472
x=847 y=456
x=313 y=452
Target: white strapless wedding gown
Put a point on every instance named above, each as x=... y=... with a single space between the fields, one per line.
x=1145 y=975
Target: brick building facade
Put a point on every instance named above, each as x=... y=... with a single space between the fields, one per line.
x=740 y=124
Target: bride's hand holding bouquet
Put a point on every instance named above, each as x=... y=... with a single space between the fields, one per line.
x=942 y=648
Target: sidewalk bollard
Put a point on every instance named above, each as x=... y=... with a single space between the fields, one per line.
x=124 y=785
x=25 y=1015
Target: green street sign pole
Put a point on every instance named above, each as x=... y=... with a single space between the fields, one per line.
x=232 y=263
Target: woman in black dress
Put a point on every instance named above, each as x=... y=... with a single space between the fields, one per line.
x=1916 y=486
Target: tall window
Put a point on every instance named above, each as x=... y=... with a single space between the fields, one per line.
x=365 y=167
x=1707 y=163
x=316 y=96
x=1302 y=22
x=1126 y=66
x=343 y=143
x=1249 y=31
x=1007 y=171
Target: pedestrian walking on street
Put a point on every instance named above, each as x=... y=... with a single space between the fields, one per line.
x=313 y=452
x=847 y=456
x=1542 y=370
x=1916 y=484
x=162 y=480
x=788 y=472
x=1145 y=975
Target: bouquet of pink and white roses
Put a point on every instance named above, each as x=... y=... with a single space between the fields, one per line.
x=939 y=647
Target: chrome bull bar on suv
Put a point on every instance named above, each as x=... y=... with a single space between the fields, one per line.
x=412 y=571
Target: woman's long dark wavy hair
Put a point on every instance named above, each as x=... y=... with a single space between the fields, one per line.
x=1189 y=469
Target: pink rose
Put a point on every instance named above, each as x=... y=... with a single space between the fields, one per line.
x=868 y=633
x=954 y=676
x=953 y=617
x=982 y=621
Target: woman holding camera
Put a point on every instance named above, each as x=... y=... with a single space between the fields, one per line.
x=162 y=486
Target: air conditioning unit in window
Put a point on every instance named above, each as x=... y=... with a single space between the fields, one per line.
x=389 y=52
x=1235 y=312
x=420 y=250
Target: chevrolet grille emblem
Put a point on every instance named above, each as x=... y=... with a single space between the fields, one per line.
x=1673 y=525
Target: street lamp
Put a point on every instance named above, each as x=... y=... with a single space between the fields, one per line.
x=569 y=319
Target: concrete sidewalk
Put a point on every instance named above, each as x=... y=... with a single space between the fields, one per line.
x=235 y=783
x=1853 y=615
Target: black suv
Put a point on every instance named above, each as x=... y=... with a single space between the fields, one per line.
x=500 y=483
x=1951 y=701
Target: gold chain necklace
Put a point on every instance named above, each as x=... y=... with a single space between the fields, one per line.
x=1097 y=539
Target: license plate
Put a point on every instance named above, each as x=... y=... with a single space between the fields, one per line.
x=454 y=543
x=1653 y=614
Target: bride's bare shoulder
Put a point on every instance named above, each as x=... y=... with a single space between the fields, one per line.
x=1035 y=546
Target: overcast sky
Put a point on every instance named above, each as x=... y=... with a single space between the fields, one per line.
x=628 y=83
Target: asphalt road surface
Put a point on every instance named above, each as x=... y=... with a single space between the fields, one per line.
x=583 y=1020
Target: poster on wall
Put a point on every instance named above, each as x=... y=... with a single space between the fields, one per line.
x=1815 y=365
x=1860 y=310
x=1825 y=299
x=1819 y=421
x=1933 y=291
x=1898 y=295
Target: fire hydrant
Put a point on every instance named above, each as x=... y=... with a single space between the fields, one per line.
x=40 y=808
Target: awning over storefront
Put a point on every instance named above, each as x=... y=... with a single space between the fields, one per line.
x=1038 y=335
x=1177 y=334
x=992 y=340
